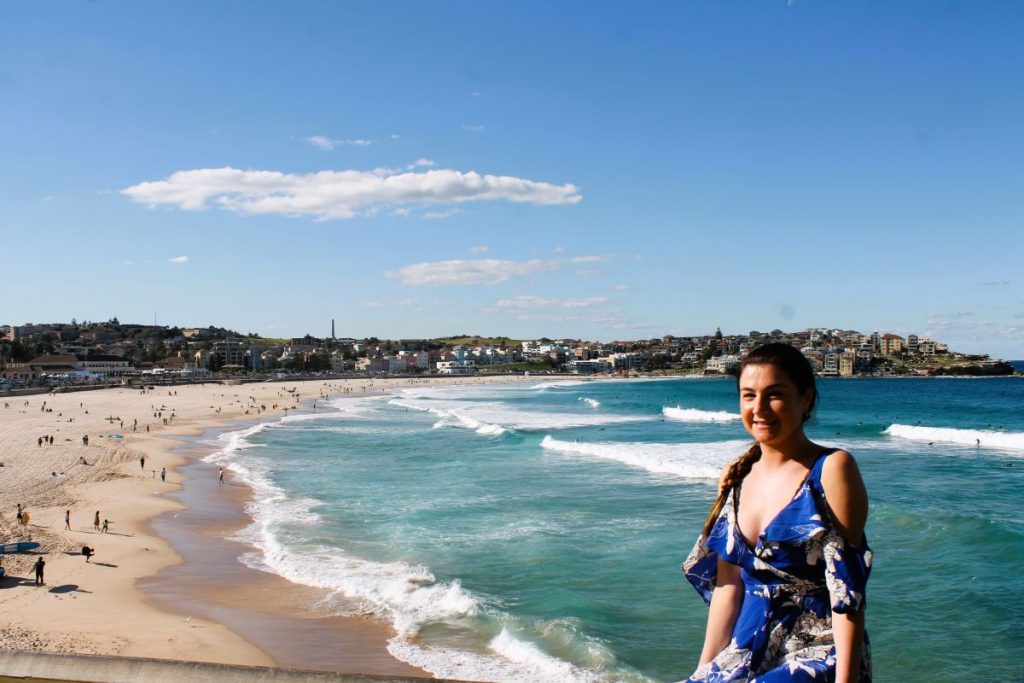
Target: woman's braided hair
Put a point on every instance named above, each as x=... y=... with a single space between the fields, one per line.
x=798 y=369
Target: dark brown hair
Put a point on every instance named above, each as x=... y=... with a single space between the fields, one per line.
x=798 y=369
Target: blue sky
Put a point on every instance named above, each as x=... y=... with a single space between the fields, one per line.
x=592 y=170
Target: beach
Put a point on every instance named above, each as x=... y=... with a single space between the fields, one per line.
x=97 y=607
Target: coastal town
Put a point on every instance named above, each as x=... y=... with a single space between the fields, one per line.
x=78 y=353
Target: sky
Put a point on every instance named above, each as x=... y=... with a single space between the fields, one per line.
x=576 y=169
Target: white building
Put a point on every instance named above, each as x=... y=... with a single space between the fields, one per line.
x=454 y=367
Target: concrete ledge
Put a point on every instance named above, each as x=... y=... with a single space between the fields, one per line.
x=44 y=667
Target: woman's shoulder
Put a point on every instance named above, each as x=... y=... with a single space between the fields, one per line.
x=844 y=489
x=838 y=467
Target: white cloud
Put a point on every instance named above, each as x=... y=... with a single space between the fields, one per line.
x=178 y=260
x=394 y=136
x=127 y=263
x=404 y=211
x=527 y=302
x=471 y=272
x=475 y=129
x=339 y=194
x=390 y=303
x=611 y=319
x=464 y=272
x=995 y=283
x=420 y=163
x=442 y=214
x=620 y=288
x=325 y=143
x=482 y=249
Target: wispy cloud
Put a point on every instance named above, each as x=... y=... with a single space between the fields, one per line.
x=464 y=272
x=482 y=249
x=473 y=128
x=339 y=194
x=611 y=319
x=956 y=315
x=621 y=288
x=180 y=260
x=127 y=263
x=403 y=212
x=995 y=283
x=442 y=214
x=471 y=271
x=325 y=143
x=530 y=302
x=390 y=303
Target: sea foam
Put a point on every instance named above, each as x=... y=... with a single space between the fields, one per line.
x=489 y=418
x=695 y=415
x=986 y=438
x=683 y=460
x=408 y=596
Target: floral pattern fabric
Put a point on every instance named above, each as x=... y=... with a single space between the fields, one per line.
x=799 y=573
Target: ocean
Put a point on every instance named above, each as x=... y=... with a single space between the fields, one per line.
x=534 y=532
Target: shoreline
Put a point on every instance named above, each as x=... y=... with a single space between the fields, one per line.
x=111 y=605
x=279 y=617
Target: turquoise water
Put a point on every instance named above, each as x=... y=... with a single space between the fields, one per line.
x=529 y=532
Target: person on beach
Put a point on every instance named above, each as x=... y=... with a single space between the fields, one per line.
x=163 y=474
x=221 y=477
x=96 y=521
x=106 y=526
x=88 y=552
x=39 y=566
x=142 y=462
x=67 y=520
x=783 y=560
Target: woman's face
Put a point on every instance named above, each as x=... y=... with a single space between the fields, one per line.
x=771 y=406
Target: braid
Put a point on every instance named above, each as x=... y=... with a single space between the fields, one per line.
x=739 y=469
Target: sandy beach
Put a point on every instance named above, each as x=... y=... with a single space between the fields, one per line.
x=137 y=597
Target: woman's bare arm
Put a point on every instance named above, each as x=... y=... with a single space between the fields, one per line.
x=725 y=607
x=848 y=499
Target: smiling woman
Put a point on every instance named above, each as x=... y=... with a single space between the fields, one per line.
x=782 y=560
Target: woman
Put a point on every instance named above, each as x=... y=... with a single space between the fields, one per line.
x=782 y=560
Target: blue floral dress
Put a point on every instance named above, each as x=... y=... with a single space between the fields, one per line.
x=799 y=573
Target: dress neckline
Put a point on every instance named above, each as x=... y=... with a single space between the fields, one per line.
x=797 y=494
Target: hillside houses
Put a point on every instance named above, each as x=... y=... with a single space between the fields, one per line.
x=110 y=351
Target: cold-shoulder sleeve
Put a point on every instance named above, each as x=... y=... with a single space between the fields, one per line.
x=701 y=566
x=846 y=566
x=846 y=572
